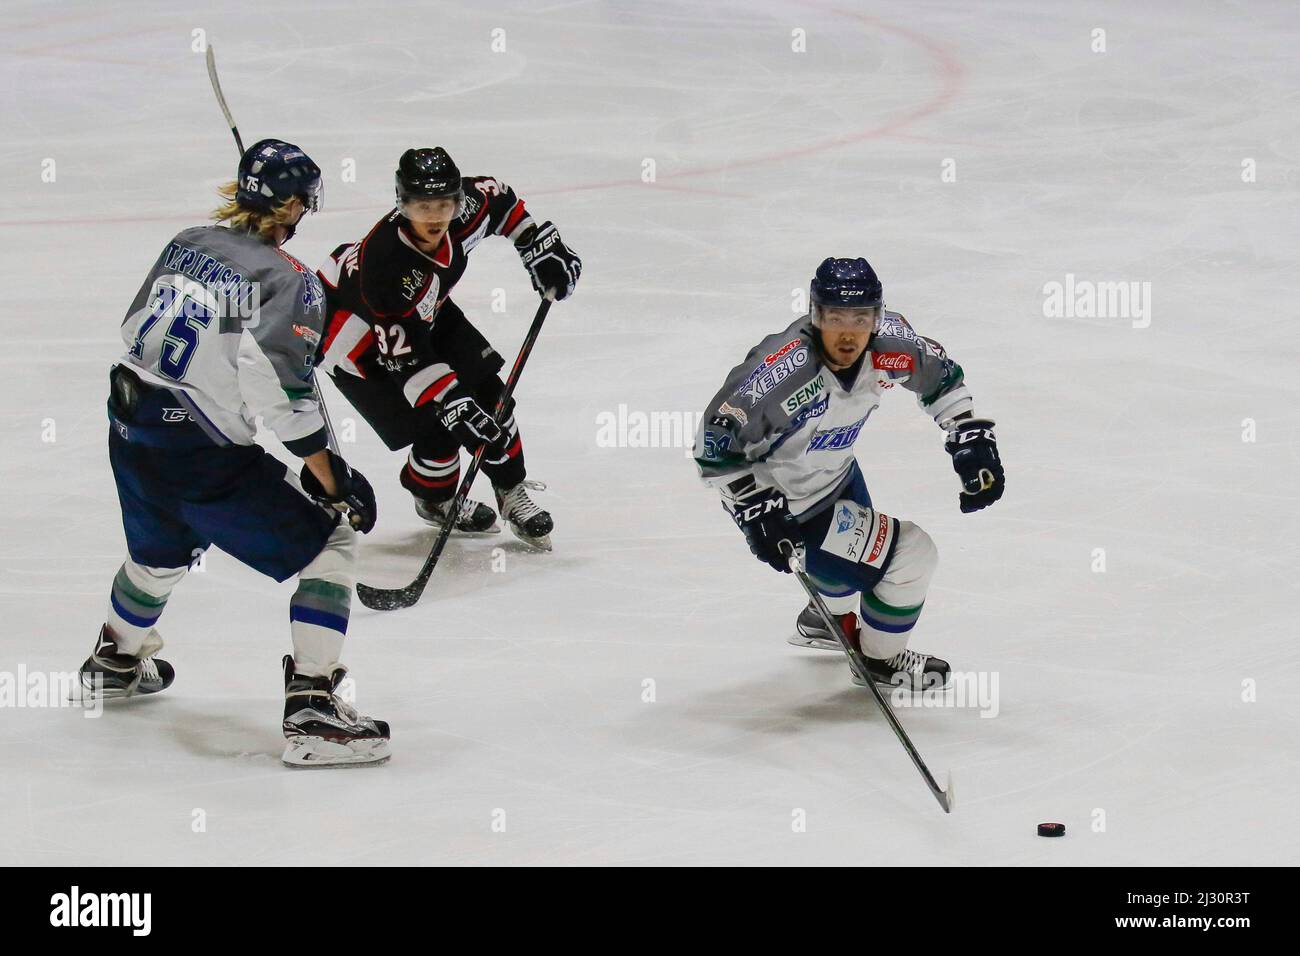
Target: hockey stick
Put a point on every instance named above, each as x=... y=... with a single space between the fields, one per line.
x=388 y=599
x=859 y=664
x=211 y=58
x=221 y=99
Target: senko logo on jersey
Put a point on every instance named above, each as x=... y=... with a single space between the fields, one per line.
x=842 y=436
x=772 y=372
x=815 y=410
x=803 y=395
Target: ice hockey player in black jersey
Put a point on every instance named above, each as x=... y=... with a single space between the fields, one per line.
x=406 y=357
x=778 y=442
x=224 y=330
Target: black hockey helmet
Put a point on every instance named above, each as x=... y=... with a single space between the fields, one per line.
x=428 y=173
x=845 y=284
x=272 y=171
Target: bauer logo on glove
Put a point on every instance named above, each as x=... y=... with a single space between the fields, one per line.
x=552 y=266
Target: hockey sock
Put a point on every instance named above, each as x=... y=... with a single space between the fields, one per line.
x=431 y=476
x=136 y=601
x=507 y=469
x=319 y=608
x=892 y=607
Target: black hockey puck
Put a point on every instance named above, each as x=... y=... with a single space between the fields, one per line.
x=1051 y=829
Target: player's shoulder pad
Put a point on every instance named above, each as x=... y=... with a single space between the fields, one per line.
x=778 y=366
x=392 y=274
x=482 y=187
x=896 y=347
x=339 y=266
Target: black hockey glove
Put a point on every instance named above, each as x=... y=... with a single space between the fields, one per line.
x=553 y=267
x=764 y=517
x=356 y=499
x=974 y=450
x=466 y=419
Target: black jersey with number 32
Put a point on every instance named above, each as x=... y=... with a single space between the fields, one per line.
x=385 y=296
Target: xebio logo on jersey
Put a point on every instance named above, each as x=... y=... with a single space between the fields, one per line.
x=776 y=368
x=783 y=350
x=842 y=436
x=860 y=534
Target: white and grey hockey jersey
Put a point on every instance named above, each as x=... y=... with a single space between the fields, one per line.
x=230 y=325
x=789 y=421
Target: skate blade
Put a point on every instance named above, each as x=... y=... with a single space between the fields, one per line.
x=537 y=544
x=312 y=753
x=84 y=694
x=798 y=639
x=890 y=685
x=495 y=529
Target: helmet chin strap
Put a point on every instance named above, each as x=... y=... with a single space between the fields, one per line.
x=290 y=230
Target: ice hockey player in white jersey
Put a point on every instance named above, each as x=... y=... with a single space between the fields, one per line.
x=224 y=329
x=778 y=439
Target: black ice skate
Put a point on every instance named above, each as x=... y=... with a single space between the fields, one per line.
x=475 y=517
x=909 y=670
x=809 y=631
x=322 y=729
x=108 y=674
x=529 y=522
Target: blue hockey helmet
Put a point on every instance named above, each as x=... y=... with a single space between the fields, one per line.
x=845 y=284
x=272 y=171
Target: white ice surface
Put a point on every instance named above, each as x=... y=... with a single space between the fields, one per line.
x=521 y=690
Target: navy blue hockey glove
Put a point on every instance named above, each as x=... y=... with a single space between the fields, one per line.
x=552 y=266
x=355 y=498
x=974 y=450
x=466 y=419
x=763 y=515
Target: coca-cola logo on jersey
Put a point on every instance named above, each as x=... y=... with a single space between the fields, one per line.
x=893 y=361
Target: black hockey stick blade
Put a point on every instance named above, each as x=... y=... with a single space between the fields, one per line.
x=391 y=599
x=859 y=665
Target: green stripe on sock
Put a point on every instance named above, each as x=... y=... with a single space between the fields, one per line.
x=880 y=607
x=123 y=584
x=334 y=593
